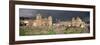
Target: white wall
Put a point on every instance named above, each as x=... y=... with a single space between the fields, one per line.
x=85 y=2
x=4 y=23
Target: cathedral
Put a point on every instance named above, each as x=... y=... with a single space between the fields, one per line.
x=75 y=22
x=39 y=21
x=78 y=22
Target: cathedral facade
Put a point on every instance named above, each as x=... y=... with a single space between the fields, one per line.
x=39 y=21
x=78 y=22
x=75 y=22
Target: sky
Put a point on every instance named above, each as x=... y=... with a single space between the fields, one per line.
x=56 y=14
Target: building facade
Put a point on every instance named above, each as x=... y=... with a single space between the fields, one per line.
x=39 y=21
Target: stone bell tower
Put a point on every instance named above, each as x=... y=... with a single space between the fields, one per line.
x=38 y=16
x=50 y=21
x=73 y=21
